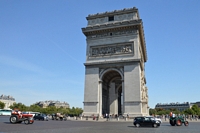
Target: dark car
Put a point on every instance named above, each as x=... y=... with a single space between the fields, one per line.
x=41 y=116
x=145 y=122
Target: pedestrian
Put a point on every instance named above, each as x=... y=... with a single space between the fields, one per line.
x=107 y=116
x=116 y=116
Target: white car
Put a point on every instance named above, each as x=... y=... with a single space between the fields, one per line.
x=155 y=118
x=158 y=119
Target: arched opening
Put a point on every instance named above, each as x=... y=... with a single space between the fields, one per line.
x=112 y=92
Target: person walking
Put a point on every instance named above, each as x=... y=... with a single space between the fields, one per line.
x=127 y=116
x=107 y=116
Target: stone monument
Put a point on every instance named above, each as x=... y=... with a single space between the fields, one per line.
x=116 y=53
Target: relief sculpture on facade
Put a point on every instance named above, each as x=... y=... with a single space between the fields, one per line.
x=144 y=94
x=111 y=50
x=113 y=33
x=143 y=88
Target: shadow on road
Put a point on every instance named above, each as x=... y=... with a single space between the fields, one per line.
x=11 y=123
x=131 y=126
x=7 y=123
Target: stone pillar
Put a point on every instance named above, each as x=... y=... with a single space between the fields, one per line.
x=123 y=97
x=100 y=98
x=112 y=98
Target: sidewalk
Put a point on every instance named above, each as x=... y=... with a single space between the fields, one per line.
x=115 y=120
x=101 y=119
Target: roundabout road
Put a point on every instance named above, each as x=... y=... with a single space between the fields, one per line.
x=80 y=126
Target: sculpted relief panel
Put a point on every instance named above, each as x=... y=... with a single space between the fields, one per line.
x=144 y=89
x=114 y=33
x=111 y=50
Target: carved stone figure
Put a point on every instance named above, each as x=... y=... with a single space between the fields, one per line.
x=114 y=49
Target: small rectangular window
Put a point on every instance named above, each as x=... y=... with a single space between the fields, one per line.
x=111 y=18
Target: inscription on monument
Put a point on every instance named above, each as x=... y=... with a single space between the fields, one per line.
x=111 y=50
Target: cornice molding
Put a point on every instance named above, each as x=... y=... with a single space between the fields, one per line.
x=112 y=26
x=115 y=12
x=111 y=62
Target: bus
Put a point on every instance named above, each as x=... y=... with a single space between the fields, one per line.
x=5 y=111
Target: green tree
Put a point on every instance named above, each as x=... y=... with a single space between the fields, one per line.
x=196 y=109
x=78 y=111
x=176 y=112
x=34 y=108
x=167 y=112
x=50 y=110
x=19 y=106
x=2 y=105
x=63 y=110
x=159 y=109
x=188 y=112
x=173 y=109
x=72 y=112
x=152 y=111
x=75 y=111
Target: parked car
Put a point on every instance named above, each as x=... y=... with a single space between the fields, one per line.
x=145 y=122
x=40 y=116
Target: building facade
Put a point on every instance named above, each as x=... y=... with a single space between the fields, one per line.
x=178 y=106
x=116 y=53
x=8 y=100
x=57 y=104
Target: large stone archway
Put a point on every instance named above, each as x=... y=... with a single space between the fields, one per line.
x=115 y=80
x=111 y=97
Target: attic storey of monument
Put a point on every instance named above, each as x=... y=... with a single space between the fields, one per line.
x=115 y=80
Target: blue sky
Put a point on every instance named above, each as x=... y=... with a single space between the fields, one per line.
x=42 y=48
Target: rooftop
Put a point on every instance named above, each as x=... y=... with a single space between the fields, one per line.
x=4 y=97
x=122 y=11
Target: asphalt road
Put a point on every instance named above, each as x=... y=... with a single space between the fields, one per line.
x=81 y=126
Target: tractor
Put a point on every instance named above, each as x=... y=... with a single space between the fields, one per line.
x=58 y=116
x=18 y=117
x=177 y=120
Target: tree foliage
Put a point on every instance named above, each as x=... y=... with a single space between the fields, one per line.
x=19 y=106
x=188 y=112
x=152 y=111
x=2 y=105
x=194 y=110
x=49 y=110
x=34 y=108
x=75 y=111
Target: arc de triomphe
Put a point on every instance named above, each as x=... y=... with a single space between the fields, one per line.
x=115 y=80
